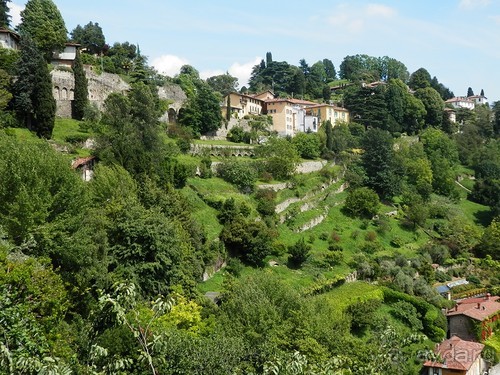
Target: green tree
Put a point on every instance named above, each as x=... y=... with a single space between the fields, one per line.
x=362 y=202
x=81 y=98
x=420 y=79
x=307 y=145
x=281 y=157
x=32 y=197
x=379 y=163
x=299 y=252
x=130 y=131
x=367 y=106
x=330 y=71
x=434 y=105
x=5 y=95
x=224 y=84
x=90 y=37
x=42 y=22
x=240 y=173
x=470 y=92
x=247 y=239
x=490 y=241
x=4 y=14
x=33 y=99
x=329 y=135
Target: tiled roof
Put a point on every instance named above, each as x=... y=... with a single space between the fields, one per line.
x=81 y=161
x=454 y=100
x=292 y=101
x=456 y=354
x=476 y=308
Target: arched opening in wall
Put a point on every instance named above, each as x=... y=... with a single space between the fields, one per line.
x=172 y=116
x=64 y=94
x=71 y=94
x=57 y=93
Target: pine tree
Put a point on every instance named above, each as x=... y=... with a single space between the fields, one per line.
x=269 y=58
x=33 y=100
x=482 y=92
x=81 y=93
x=470 y=92
x=4 y=14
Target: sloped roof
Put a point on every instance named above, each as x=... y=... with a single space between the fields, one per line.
x=456 y=354
x=82 y=161
x=476 y=308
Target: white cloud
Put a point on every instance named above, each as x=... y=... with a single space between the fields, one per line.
x=496 y=19
x=15 y=13
x=210 y=73
x=379 y=10
x=471 y=4
x=169 y=65
x=243 y=71
x=354 y=20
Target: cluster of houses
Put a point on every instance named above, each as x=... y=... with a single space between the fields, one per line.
x=470 y=321
x=290 y=116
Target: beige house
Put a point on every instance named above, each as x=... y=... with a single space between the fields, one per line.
x=326 y=112
x=9 y=39
x=242 y=105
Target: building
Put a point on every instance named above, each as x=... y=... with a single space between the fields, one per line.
x=452 y=114
x=461 y=102
x=66 y=56
x=329 y=112
x=290 y=116
x=458 y=357
x=479 y=99
x=472 y=317
x=242 y=105
x=85 y=166
x=9 y=39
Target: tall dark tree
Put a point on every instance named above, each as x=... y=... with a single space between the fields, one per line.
x=367 y=105
x=420 y=79
x=90 y=37
x=496 y=118
x=379 y=163
x=81 y=99
x=42 y=22
x=482 y=92
x=33 y=100
x=331 y=73
x=269 y=58
x=470 y=92
x=329 y=135
x=4 y=14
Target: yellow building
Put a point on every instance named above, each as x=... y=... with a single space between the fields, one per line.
x=289 y=115
x=330 y=112
x=242 y=105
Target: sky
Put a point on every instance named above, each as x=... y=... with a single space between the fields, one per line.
x=458 y=41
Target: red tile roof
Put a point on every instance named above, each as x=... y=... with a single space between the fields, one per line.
x=81 y=161
x=476 y=308
x=456 y=354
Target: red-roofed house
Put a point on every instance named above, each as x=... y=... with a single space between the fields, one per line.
x=85 y=166
x=473 y=316
x=458 y=357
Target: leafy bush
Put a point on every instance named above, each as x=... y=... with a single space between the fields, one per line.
x=408 y=314
x=299 y=252
x=238 y=173
x=362 y=202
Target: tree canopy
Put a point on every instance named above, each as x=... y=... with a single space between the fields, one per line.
x=42 y=22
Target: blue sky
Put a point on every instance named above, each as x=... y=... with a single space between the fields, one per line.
x=456 y=40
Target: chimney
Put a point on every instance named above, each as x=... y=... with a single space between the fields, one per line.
x=479 y=305
x=488 y=296
x=456 y=307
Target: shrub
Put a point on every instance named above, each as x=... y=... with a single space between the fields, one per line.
x=370 y=236
x=238 y=173
x=408 y=314
x=333 y=258
x=299 y=252
x=362 y=202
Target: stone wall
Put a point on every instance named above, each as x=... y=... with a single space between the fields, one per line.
x=103 y=84
x=176 y=100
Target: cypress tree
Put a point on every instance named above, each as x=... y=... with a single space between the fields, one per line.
x=4 y=14
x=470 y=92
x=33 y=100
x=81 y=93
x=329 y=135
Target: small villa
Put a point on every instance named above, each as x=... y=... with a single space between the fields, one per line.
x=472 y=318
x=458 y=357
x=9 y=39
